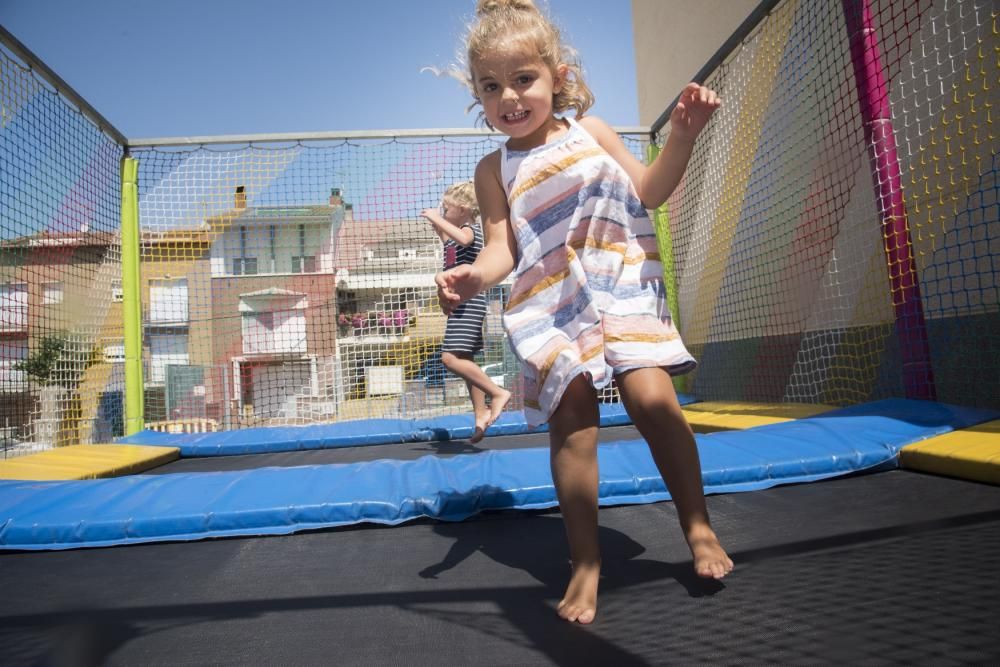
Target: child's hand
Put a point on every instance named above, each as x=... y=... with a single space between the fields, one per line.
x=430 y=213
x=692 y=111
x=457 y=285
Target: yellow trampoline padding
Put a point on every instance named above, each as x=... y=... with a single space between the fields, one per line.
x=87 y=462
x=712 y=416
x=970 y=453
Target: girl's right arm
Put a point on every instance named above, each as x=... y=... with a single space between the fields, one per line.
x=496 y=260
x=462 y=235
x=499 y=253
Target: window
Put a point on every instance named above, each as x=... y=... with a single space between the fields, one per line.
x=13 y=307
x=244 y=265
x=52 y=293
x=117 y=293
x=273 y=332
x=273 y=238
x=399 y=300
x=347 y=301
x=168 y=300
x=12 y=352
x=304 y=264
x=114 y=354
x=166 y=350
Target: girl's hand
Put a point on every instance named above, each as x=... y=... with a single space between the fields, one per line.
x=457 y=285
x=692 y=111
x=430 y=213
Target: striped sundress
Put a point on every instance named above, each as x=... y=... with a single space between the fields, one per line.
x=587 y=293
x=464 y=331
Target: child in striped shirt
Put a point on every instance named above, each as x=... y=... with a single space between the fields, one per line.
x=456 y=226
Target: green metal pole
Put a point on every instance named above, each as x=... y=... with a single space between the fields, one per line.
x=665 y=244
x=132 y=302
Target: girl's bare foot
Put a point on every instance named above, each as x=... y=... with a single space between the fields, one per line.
x=498 y=402
x=710 y=559
x=579 y=604
x=482 y=423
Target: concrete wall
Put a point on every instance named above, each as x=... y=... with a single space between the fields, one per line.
x=673 y=39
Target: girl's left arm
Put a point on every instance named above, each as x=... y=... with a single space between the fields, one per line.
x=657 y=182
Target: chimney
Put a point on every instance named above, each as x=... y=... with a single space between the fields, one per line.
x=241 y=197
x=335 y=198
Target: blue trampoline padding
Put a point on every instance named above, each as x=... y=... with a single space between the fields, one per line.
x=270 y=501
x=352 y=433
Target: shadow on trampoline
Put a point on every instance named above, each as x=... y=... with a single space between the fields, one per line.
x=539 y=548
x=444 y=446
x=897 y=593
x=861 y=537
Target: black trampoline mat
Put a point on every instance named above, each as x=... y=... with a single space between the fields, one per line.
x=889 y=568
x=401 y=451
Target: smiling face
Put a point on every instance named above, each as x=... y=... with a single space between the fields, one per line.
x=516 y=91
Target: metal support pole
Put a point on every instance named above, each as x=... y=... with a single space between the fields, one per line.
x=873 y=99
x=132 y=301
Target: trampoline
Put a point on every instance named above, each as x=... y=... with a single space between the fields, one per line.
x=883 y=568
x=814 y=263
x=871 y=566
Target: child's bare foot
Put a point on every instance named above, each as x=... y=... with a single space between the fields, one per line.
x=579 y=604
x=710 y=559
x=497 y=403
x=482 y=422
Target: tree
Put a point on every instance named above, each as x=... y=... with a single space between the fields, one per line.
x=41 y=365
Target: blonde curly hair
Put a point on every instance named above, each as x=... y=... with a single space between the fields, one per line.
x=462 y=193
x=503 y=22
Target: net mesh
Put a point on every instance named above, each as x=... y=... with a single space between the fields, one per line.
x=295 y=284
x=836 y=239
x=800 y=276
x=60 y=259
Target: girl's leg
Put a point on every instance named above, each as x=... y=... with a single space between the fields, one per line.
x=479 y=409
x=649 y=397
x=573 y=444
x=480 y=385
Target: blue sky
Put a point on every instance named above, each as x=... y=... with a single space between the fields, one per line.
x=210 y=67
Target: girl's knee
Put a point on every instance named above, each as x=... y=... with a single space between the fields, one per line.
x=648 y=394
x=647 y=403
x=449 y=359
x=577 y=408
x=640 y=411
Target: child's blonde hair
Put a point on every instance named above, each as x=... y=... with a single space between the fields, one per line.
x=506 y=22
x=463 y=193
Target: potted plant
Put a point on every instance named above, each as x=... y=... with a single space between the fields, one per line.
x=359 y=322
x=345 y=323
x=392 y=322
x=400 y=320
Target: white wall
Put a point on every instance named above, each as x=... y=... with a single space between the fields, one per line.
x=673 y=39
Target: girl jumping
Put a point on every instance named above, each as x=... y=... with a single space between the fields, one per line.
x=563 y=204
